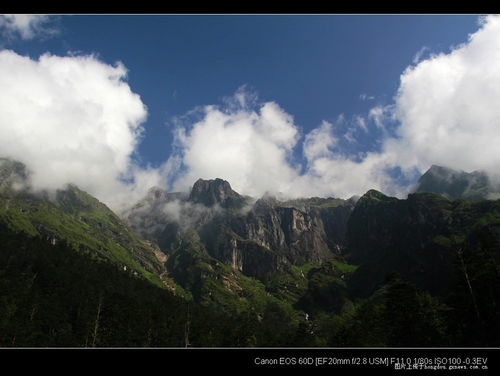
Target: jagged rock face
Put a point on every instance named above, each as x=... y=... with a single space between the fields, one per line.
x=270 y=237
x=248 y=257
x=260 y=241
x=312 y=233
x=212 y=192
x=304 y=235
x=455 y=184
x=164 y=216
x=298 y=236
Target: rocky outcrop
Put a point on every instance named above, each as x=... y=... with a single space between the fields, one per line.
x=260 y=240
x=270 y=237
x=163 y=216
x=248 y=257
x=214 y=192
x=296 y=235
x=290 y=235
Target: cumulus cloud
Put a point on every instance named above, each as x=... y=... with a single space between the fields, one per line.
x=448 y=106
x=249 y=148
x=73 y=120
x=26 y=26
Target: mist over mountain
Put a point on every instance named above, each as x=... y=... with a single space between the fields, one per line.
x=476 y=185
x=278 y=272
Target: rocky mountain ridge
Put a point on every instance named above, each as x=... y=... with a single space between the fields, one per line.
x=315 y=265
x=238 y=230
x=476 y=185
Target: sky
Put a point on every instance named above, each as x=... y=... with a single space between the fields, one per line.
x=297 y=105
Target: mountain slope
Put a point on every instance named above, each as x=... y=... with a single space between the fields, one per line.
x=428 y=267
x=53 y=296
x=77 y=218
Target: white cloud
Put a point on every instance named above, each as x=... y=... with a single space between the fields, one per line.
x=72 y=120
x=250 y=149
x=246 y=147
x=448 y=106
x=319 y=142
x=339 y=176
x=26 y=26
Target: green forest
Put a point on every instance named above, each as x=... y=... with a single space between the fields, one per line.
x=53 y=296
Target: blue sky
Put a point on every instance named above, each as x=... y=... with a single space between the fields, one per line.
x=316 y=68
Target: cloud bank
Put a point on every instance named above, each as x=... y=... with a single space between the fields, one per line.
x=449 y=106
x=73 y=120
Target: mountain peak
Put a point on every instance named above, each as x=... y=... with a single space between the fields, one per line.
x=441 y=172
x=374 y=194
x=455 y=184
x=211 y=192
